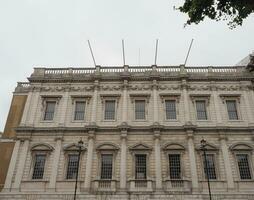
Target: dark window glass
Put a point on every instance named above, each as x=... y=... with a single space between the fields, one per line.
x=140 y=109
x=79 y=110
x=211 y=172
x=232 y=110
x=106 y=166
x=243 y=165
x=39 y=164
x=201 y=110
x=140 y=166
x=174 y=166
x=170 y=109
x=49 y=111
x=72 y=167
x=109 y=110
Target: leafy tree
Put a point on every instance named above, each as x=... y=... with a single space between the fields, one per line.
x=235 y=11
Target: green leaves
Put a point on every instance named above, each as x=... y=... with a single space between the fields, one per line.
x=234 y=11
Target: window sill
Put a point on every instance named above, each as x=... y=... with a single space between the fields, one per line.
x=47 y=121
x=78 y=121
x=233 y=121
x=36 y=180
x=212 y=180
x=245 y=180
x=110 y=120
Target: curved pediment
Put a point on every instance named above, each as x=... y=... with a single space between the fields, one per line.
x=140 y=146
x=107 y=146
x=72 y=147
x=42 y=147
x=241 y=147
x=173 y=146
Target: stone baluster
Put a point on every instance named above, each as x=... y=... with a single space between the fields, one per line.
x=12 y=165
x=21 y=164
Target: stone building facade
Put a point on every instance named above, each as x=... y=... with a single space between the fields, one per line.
x=141 y=128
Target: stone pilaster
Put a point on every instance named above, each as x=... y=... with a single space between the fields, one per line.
x=186 y=102
x=123 y=160
x=157 y=152
x=12 y=165
x=125 y=102
x=248 y=107
x=35 y=102
x=63 y=108
x=216 y=100
x=26 y=109
x=155 y=102
x=94 y=105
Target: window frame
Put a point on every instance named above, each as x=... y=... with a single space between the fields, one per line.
x=237 y=99
x=237 y=109
x=249 y=156
x=33 y=165
x=67 y=164
x=201 y=97
x=110 y=97
x=44 y=100
x=174 y=97
x=144 y=97
x=74 y=110
x=206 y=109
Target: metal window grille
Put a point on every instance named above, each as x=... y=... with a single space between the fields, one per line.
x=49 y=111
x=170 y=109
x=109 y=110
x=140 y=166
x=106 y=166
x=72 y=167
x=140 y=109
x=39 y=164
x=232 y=109
x=201 y=110
x=174 y=166
x=79 y=110
x=210 y=160
x=243 y=165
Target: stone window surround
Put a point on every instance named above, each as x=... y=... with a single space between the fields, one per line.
x=146 y=150
x=134 y=97
x=107 y=148
x=174 y=148
x=171 y=96
x=245 y=149
x=83 y=98
x=201 y=97
x=237 y=98
x=116 y=98
x=211 y=149
x=44 y=100
x=72 y=149
x=40 y=148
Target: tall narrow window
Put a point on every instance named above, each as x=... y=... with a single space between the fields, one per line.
x=201 y=110
x=140 y=166
x=232 y=109
x=174 y=166
x=243 y=165
x=170 y=109
x=209 y=166
x=72 y=167
x=140 y=109
x=49 y=110
x=39 y=165
x=109 y=110
x=106 y=166
x=79 y=110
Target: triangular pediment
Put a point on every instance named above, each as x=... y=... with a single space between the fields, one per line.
x=72 y=147
x=209 y=147
x=140 y=146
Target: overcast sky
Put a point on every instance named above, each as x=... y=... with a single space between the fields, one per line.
x=53 y=33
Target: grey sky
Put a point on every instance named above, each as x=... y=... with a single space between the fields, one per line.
x=53 y=33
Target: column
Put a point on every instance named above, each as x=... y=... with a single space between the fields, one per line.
x=155 y=102
x=123 y=160
x=186 y=102
x=26 y=109
x=8 y=180
x=157 y=151
x=248 y=107
x=192 y=158
x=63 y=109
x=89 y=161
x=228 y=170
x=35 y=102
x=94 y=105
x=57 y=152
x=21 y=164
x=125 y=102
x=217 y=106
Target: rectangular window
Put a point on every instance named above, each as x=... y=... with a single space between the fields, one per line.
x=72 y=167
x=232 y=109
x=170 y=109
x=174 y=166
x=79 y=110
x=106 y=166
x=39 y=165
x=109 y=110
x=49 y=110
x=140 y=166
x=243 y=165
x=209 y=166
x=140 y=109
x=201 y=110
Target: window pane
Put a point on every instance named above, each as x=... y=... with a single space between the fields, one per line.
x=174 y=166
x=140 y=166
x=243 y=164
x=140 y=109
x=72 y=168
x=49 y=111
x=209 y=165
x=79 y=110
x=201 y=110
x=39 y=164
x=109 y=110
x=106 y=166
x=170 y=109
x=232 y=110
